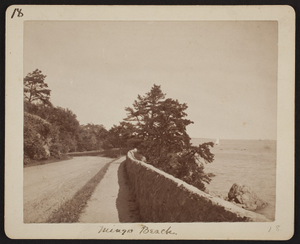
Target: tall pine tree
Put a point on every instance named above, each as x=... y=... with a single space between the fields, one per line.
x=160 y=127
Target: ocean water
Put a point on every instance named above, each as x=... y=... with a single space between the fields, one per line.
x=250 y=162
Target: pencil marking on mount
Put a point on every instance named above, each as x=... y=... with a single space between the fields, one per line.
x=20 y=14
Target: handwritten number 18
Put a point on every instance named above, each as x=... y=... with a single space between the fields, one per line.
x=277 y=228
x=20 y=14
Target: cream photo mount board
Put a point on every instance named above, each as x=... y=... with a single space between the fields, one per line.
x=18 y=59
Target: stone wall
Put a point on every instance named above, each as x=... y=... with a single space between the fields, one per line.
x=164 y=198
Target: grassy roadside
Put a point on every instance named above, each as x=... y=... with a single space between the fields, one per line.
x=46 y=161
x=87 y=153
x=109 y=153
x=70 y=211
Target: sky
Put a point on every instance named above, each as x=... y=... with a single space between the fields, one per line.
x=225 y=71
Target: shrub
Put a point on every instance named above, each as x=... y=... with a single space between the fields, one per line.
x=107 y=145
x=114 y=153
x=36 y=132
x=55 y=150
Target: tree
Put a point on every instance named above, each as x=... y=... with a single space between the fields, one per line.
x=160 y=128
x=35 y=88
x=65 y=119
x=67 y=125
x=160 y=124
x=91 y=137
x=122 y=135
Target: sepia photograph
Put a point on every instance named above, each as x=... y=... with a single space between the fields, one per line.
x=197 y=100
x=140 y=126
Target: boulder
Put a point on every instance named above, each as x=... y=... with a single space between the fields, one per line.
x=243 y=196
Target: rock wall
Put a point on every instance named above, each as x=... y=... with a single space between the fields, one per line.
x=164 y=198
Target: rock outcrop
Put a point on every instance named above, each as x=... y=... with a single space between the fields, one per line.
x=243 y=196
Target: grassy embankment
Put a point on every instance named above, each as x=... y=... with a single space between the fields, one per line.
x=33 y=162
x=109 y=153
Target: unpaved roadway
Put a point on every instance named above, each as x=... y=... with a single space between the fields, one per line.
x=113 y=200
x=47 y=187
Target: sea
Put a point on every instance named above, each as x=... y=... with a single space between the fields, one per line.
x=249 y=162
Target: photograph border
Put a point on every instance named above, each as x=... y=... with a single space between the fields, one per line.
x=280 y=229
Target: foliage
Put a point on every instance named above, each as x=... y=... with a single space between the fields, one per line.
x=159 y=127
x=91 y=137
x=67 y=135
x=122 y=135
x=35 y=88
x=189 y=164
x=159 y=124
x=64 y=126
x=67 y=125
x=36 y=133
x=114 y=152
x=54 y=129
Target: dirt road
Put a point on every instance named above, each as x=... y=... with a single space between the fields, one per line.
x=47 y=187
